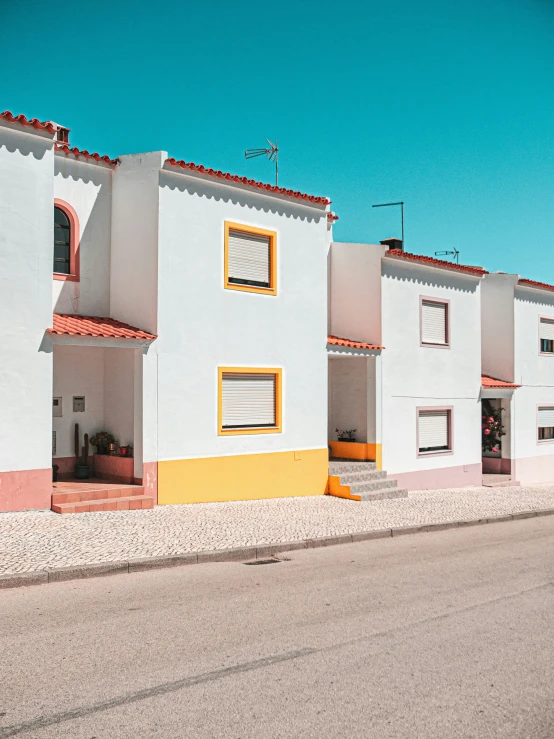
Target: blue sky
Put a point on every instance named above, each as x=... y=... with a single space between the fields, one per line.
x=447 y=106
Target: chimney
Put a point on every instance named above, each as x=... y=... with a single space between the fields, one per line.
x=62 y=136
x=393 y=243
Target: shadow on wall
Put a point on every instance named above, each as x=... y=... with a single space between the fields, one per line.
x=193 y=185
x=424 y=276
x=91 y=295
x=35 y=146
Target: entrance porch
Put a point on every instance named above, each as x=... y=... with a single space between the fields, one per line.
x=497 y=398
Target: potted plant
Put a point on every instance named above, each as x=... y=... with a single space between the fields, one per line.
x=81 y=455
x=346 y=435
x=101 y=441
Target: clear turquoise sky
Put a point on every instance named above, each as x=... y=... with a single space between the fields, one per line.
x=446 y=105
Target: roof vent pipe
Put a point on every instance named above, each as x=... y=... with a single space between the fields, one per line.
x=393 y=243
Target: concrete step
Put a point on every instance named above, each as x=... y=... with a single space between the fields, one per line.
x=96 y=492
x=338 y=467
x=350 y=478
x=128 y=503
x=369 y=486
x=387 y=494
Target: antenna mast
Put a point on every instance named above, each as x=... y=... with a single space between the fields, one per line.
x=454 y=253
x=271 y=152
x=386 y=205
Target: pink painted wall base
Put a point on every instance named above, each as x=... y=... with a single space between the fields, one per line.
x=534 y=469
x=446 y=477
x=150 y=480
x=116 y=469
x=497 y=466
x=25 y=490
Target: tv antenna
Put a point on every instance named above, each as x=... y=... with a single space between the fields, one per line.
x=454 y=253
x=386 y=205
x=271 y=152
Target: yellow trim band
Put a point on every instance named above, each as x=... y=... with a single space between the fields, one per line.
x=358 y=450
x=243 y=477
x=272 y=289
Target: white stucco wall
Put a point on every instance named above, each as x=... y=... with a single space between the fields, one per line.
x=356 y=291
x=134 y=253
x=78 y=370
x=535 y=373
x=497 y=326
x=348 y=405
x=119 y=394
x=87 y=188
x=26 y=253
x=417 y=376
x=203 y=326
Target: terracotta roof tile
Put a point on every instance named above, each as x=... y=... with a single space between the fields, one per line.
x=34 y=122
x=107 y=328
x=487 y=381
x=332 y=217
x=431 y=262
x=86 y=154
x=337 y=341
x=245 y=181
x=532 y=283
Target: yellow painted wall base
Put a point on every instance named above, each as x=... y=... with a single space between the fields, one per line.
x=357 y=450
x=340 y=491
x=243 y=477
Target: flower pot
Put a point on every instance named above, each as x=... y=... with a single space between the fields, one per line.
x=101 y=449
x=82 y=471
x=351 y=440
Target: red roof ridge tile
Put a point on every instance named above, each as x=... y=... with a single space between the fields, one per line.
x=534 y=283
x=432 y=262
x=65 y=149
x=245 y=181
x=488 y=381
x=108 y=328
x=34 y=122
x=338 y=341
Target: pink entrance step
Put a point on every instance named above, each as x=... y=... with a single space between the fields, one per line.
x=86 y=497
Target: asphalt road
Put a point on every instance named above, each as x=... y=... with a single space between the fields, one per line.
x=441 y=635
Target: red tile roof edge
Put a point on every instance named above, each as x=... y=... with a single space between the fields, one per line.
x=86 y=154
x=487 y=381
x=245 y=181
x=432 y=262
x=107 y=328
x=34 y=122
x=337 y=341
x=332 y=217
x=533 y=283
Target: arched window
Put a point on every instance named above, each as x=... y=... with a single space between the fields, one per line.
x=62 y=242
x=66 y=242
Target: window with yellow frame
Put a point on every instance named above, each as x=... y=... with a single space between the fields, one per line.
x=250 y=259
x=250 y=400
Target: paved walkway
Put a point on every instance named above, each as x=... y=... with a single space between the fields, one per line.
x=39 y=540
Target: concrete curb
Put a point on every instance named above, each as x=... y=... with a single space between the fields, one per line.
x=240 y=554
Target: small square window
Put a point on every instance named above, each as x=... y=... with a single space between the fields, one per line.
x=250 y=259
x=57 y=411
x=434 y=431
x=545 y=423
x=546 y=334
x=249 y=401
x=434 y=323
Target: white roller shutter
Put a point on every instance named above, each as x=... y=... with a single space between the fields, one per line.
x=546 y=417
x=248 y=258
x=433 y=322
x=247 y=400
x=433 y=430
x=547 y=329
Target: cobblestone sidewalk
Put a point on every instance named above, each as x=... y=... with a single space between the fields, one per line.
x=39 y=540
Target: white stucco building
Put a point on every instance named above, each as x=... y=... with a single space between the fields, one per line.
x=411 y=385
x=180 y=308
x=518 y=348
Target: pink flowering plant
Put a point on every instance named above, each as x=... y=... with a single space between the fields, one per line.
x=492 y=428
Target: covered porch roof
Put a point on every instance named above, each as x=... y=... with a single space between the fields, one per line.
x=96 y=330
x=338 y=345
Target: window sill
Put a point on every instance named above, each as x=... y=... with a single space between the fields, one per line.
x=241 y=432
x=66 y=278
x=540 y=442
x=426 y=345
x=546 y=354
x=251 y=289
x=435 y=454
